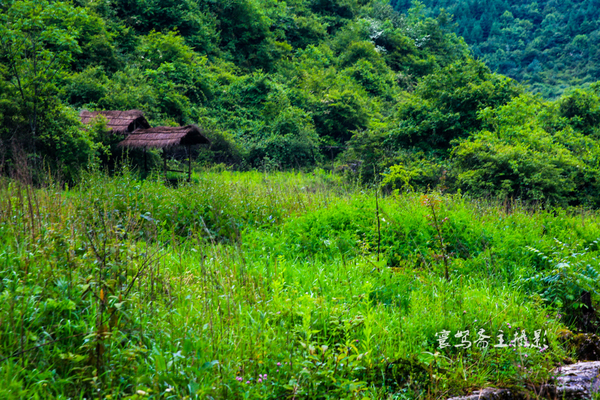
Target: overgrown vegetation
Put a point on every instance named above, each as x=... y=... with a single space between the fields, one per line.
x=280 y=80
x=450 y=244
x=269 y=285
x=346 y=84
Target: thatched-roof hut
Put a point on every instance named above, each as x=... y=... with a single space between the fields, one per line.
x=163 y=137
x=118 y=122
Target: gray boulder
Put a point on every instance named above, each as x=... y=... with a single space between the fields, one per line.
x=574 y=382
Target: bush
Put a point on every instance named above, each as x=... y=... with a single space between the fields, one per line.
x=290 y=141
x=525 y=156
x=68 y=147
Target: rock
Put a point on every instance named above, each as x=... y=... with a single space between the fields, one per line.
x=491 y=394
x=574 y=382
x=587 y=346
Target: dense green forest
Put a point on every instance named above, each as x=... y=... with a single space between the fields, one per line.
x=550 y=45
x=275 y=81
x=348 y=84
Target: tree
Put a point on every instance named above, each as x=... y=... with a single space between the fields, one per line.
x=191 y=18
x=37 y=41
x=339 y=114
x=444 y=105
x=518 y=154
x=582 y=109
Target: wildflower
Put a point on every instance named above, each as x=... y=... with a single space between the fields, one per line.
x=279 y=364
x=525 y=355
x=247 y=382
x=239 y=378
x=265 y=376
x=465 y=311
x=259 y=380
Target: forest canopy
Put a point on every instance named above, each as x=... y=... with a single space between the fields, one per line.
x=550 y=45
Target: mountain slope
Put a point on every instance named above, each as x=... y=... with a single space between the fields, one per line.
x=548 y=44
x=277 y=80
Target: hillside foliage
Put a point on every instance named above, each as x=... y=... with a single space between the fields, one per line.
x=280 y=80
x=352 y=85
x=550 y=45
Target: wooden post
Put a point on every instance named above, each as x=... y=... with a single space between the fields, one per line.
x=165 y=162
x=189 y=149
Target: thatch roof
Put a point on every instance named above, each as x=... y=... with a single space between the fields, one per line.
x=165 y=136
x=119 y=122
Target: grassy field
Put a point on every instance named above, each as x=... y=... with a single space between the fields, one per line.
x=284 y=285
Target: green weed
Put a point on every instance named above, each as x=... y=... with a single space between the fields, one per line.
x=249 y=285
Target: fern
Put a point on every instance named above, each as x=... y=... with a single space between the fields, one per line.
x=570 y=274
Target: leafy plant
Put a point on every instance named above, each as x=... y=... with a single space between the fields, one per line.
x=572 y=275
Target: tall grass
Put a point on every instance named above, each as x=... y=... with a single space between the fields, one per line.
x=248 y=285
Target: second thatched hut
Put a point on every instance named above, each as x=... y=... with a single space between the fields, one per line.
x=118 y=122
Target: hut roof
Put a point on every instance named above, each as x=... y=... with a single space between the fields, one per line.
x=119 y=122
x=165 y=136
